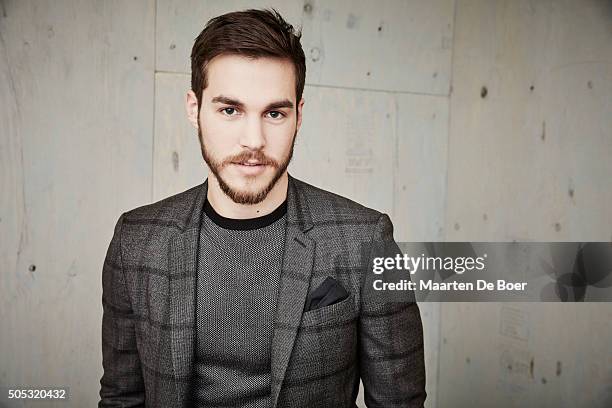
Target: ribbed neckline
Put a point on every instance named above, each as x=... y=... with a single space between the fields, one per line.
x=247 y=223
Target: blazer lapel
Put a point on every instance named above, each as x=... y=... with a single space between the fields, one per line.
x=295 y=279
x=183 y=268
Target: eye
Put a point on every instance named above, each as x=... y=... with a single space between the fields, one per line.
x=276 y=114
x=228 y=111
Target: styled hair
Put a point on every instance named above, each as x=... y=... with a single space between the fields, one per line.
x=251 y=33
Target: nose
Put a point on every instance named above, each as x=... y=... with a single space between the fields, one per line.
x=253 y=135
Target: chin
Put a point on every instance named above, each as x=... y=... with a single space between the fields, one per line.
x=250 y=185
x=246 y=181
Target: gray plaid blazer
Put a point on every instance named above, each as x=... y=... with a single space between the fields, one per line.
x=318 y=356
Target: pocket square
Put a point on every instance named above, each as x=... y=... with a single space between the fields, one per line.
x=328 y=293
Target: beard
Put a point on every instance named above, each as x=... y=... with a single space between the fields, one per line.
x=245 y=196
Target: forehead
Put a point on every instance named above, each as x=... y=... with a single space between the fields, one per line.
x=250 y=80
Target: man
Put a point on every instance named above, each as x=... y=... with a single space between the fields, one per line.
x=245 y=291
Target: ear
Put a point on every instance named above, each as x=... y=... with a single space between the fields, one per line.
x=191 y=105
x=299 y=114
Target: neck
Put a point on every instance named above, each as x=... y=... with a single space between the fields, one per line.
x=224 y=205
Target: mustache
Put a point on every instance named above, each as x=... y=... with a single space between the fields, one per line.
x=243 y=157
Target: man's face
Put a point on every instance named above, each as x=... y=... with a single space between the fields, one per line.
x=248 y=123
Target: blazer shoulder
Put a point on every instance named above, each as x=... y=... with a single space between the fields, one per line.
x=173 y=209
x=325 y=205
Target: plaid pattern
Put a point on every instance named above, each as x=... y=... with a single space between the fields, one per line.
x=318 y=356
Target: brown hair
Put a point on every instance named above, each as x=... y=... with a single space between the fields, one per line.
x=251 y=33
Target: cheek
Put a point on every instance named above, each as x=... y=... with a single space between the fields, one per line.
x=217 y=132
x=279 y=138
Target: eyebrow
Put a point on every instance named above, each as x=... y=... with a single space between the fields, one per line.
x=285 y=103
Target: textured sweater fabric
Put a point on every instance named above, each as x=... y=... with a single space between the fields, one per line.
x=238 y=277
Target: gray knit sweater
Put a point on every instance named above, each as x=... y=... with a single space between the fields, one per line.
x=238 y=277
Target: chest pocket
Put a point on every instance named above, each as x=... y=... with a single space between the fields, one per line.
x=337 y=313
x=325 y=348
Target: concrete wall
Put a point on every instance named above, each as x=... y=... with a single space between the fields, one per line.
x=464 y=120
x=76 y=98
x=530 y=142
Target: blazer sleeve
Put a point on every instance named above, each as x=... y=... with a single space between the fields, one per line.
x=122 y=383
x=391 y=345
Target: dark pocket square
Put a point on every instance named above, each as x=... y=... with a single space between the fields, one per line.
x=328 y=293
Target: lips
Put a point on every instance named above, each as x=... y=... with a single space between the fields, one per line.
x=250 y=168
x=250 y=164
